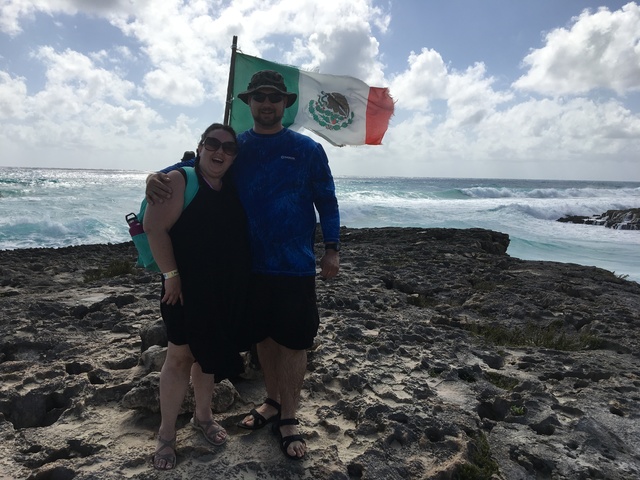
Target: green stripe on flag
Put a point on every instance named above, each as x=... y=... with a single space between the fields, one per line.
x=245 y=66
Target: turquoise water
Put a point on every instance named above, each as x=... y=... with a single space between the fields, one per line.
x=57 y=207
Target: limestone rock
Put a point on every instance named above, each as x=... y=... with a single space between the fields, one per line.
x=438 y=356
x=628 y=219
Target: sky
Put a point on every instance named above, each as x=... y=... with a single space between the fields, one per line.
x=536 y=89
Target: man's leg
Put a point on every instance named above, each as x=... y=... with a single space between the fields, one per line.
x=174 y=381
x=289 y=369
x=267 y=354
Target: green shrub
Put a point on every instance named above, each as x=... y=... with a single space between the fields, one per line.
x=115 y=269
x=482 y=466
x=551 y=336
x=501 y=381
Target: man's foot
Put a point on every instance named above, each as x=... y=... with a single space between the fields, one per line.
x=164 y=457
x=213 y=432
x=291 y=442
x=268 y=412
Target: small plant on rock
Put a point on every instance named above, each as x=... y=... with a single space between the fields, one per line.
x=115 y=269
x=501 y=381
x=482 y=466
x=551 y=336
x=517 y=410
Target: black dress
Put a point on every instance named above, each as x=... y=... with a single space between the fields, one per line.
x=211 y=248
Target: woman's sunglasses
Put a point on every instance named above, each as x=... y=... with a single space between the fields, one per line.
x=213 y=144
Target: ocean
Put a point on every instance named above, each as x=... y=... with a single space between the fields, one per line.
x=62 y=207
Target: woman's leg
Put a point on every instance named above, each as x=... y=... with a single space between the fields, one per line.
x=174 y=381
x=203 y=385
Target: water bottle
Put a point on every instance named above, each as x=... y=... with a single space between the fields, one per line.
x=135 y=227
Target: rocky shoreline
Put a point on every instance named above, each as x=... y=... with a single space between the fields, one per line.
x=628 y=219
x=439 y=356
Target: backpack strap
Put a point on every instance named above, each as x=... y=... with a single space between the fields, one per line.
x=191 y=184
x=145 y=257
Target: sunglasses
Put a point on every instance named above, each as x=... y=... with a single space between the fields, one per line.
x=273 y=97
x=213 y=144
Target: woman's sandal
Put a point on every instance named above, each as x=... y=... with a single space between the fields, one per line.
x=169 y=458
x=205 y=427
x=258 y=419
x=289 y=439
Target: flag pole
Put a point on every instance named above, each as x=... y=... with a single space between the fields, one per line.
x=227 y=108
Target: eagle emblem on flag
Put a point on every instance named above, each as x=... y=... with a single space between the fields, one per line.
x=331 y=111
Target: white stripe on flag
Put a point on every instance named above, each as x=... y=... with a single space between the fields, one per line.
x=334 y=107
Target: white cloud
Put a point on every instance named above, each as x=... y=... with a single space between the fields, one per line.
x=471 y=98
x=81 y=106
x=329 y=37
x=13 y=92
x=425 y=80
x=119 y=103
x=78 y=73
x=469 y=94
x=12 y=12
x=174 y=87
x=187 y=44
x=600 y=50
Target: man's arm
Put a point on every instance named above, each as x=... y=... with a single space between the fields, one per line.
x=159 y=184
x=326 y=204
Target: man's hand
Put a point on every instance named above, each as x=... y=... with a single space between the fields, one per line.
x=329 y=264
x=158 y=189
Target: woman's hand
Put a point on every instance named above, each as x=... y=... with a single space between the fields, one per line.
x=173 y=291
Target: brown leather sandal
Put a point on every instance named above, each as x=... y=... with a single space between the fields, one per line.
x=205 y=427
x=169 y=458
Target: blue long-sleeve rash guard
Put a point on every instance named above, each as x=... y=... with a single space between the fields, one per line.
x=280 y=178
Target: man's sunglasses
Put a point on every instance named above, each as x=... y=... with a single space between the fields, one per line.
x=213 y=144
x=273 y=97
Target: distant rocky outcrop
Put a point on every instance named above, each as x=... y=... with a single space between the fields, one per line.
x=628 y=219
x=439 y=356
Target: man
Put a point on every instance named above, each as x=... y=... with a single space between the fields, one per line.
x=189 y=155
x=280 y=176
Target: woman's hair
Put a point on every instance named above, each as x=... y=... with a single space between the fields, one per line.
x=211 y=128
x=218 y=126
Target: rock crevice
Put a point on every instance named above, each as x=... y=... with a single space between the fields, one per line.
x=439 y=356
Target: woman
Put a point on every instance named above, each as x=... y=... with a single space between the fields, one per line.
x=203 y=253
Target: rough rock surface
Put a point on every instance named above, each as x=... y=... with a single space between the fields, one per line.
x=628 y=219
x=439 y=356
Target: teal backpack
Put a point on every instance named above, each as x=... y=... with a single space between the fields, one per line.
x=145 y=257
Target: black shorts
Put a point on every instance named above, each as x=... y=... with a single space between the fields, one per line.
x=283 y=308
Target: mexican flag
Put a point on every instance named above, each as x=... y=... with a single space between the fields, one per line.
x=341 y=109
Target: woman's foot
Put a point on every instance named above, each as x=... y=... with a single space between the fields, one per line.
x=268 y=412
x=164 y=457
x=213 y=432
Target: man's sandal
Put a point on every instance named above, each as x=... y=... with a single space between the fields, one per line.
x=210 y=429
x=169 y=458
x=258 y=419
x=289 y=439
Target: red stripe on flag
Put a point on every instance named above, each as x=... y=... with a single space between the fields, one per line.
x=379 y=111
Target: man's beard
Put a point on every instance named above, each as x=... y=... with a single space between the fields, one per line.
x=274 y=119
